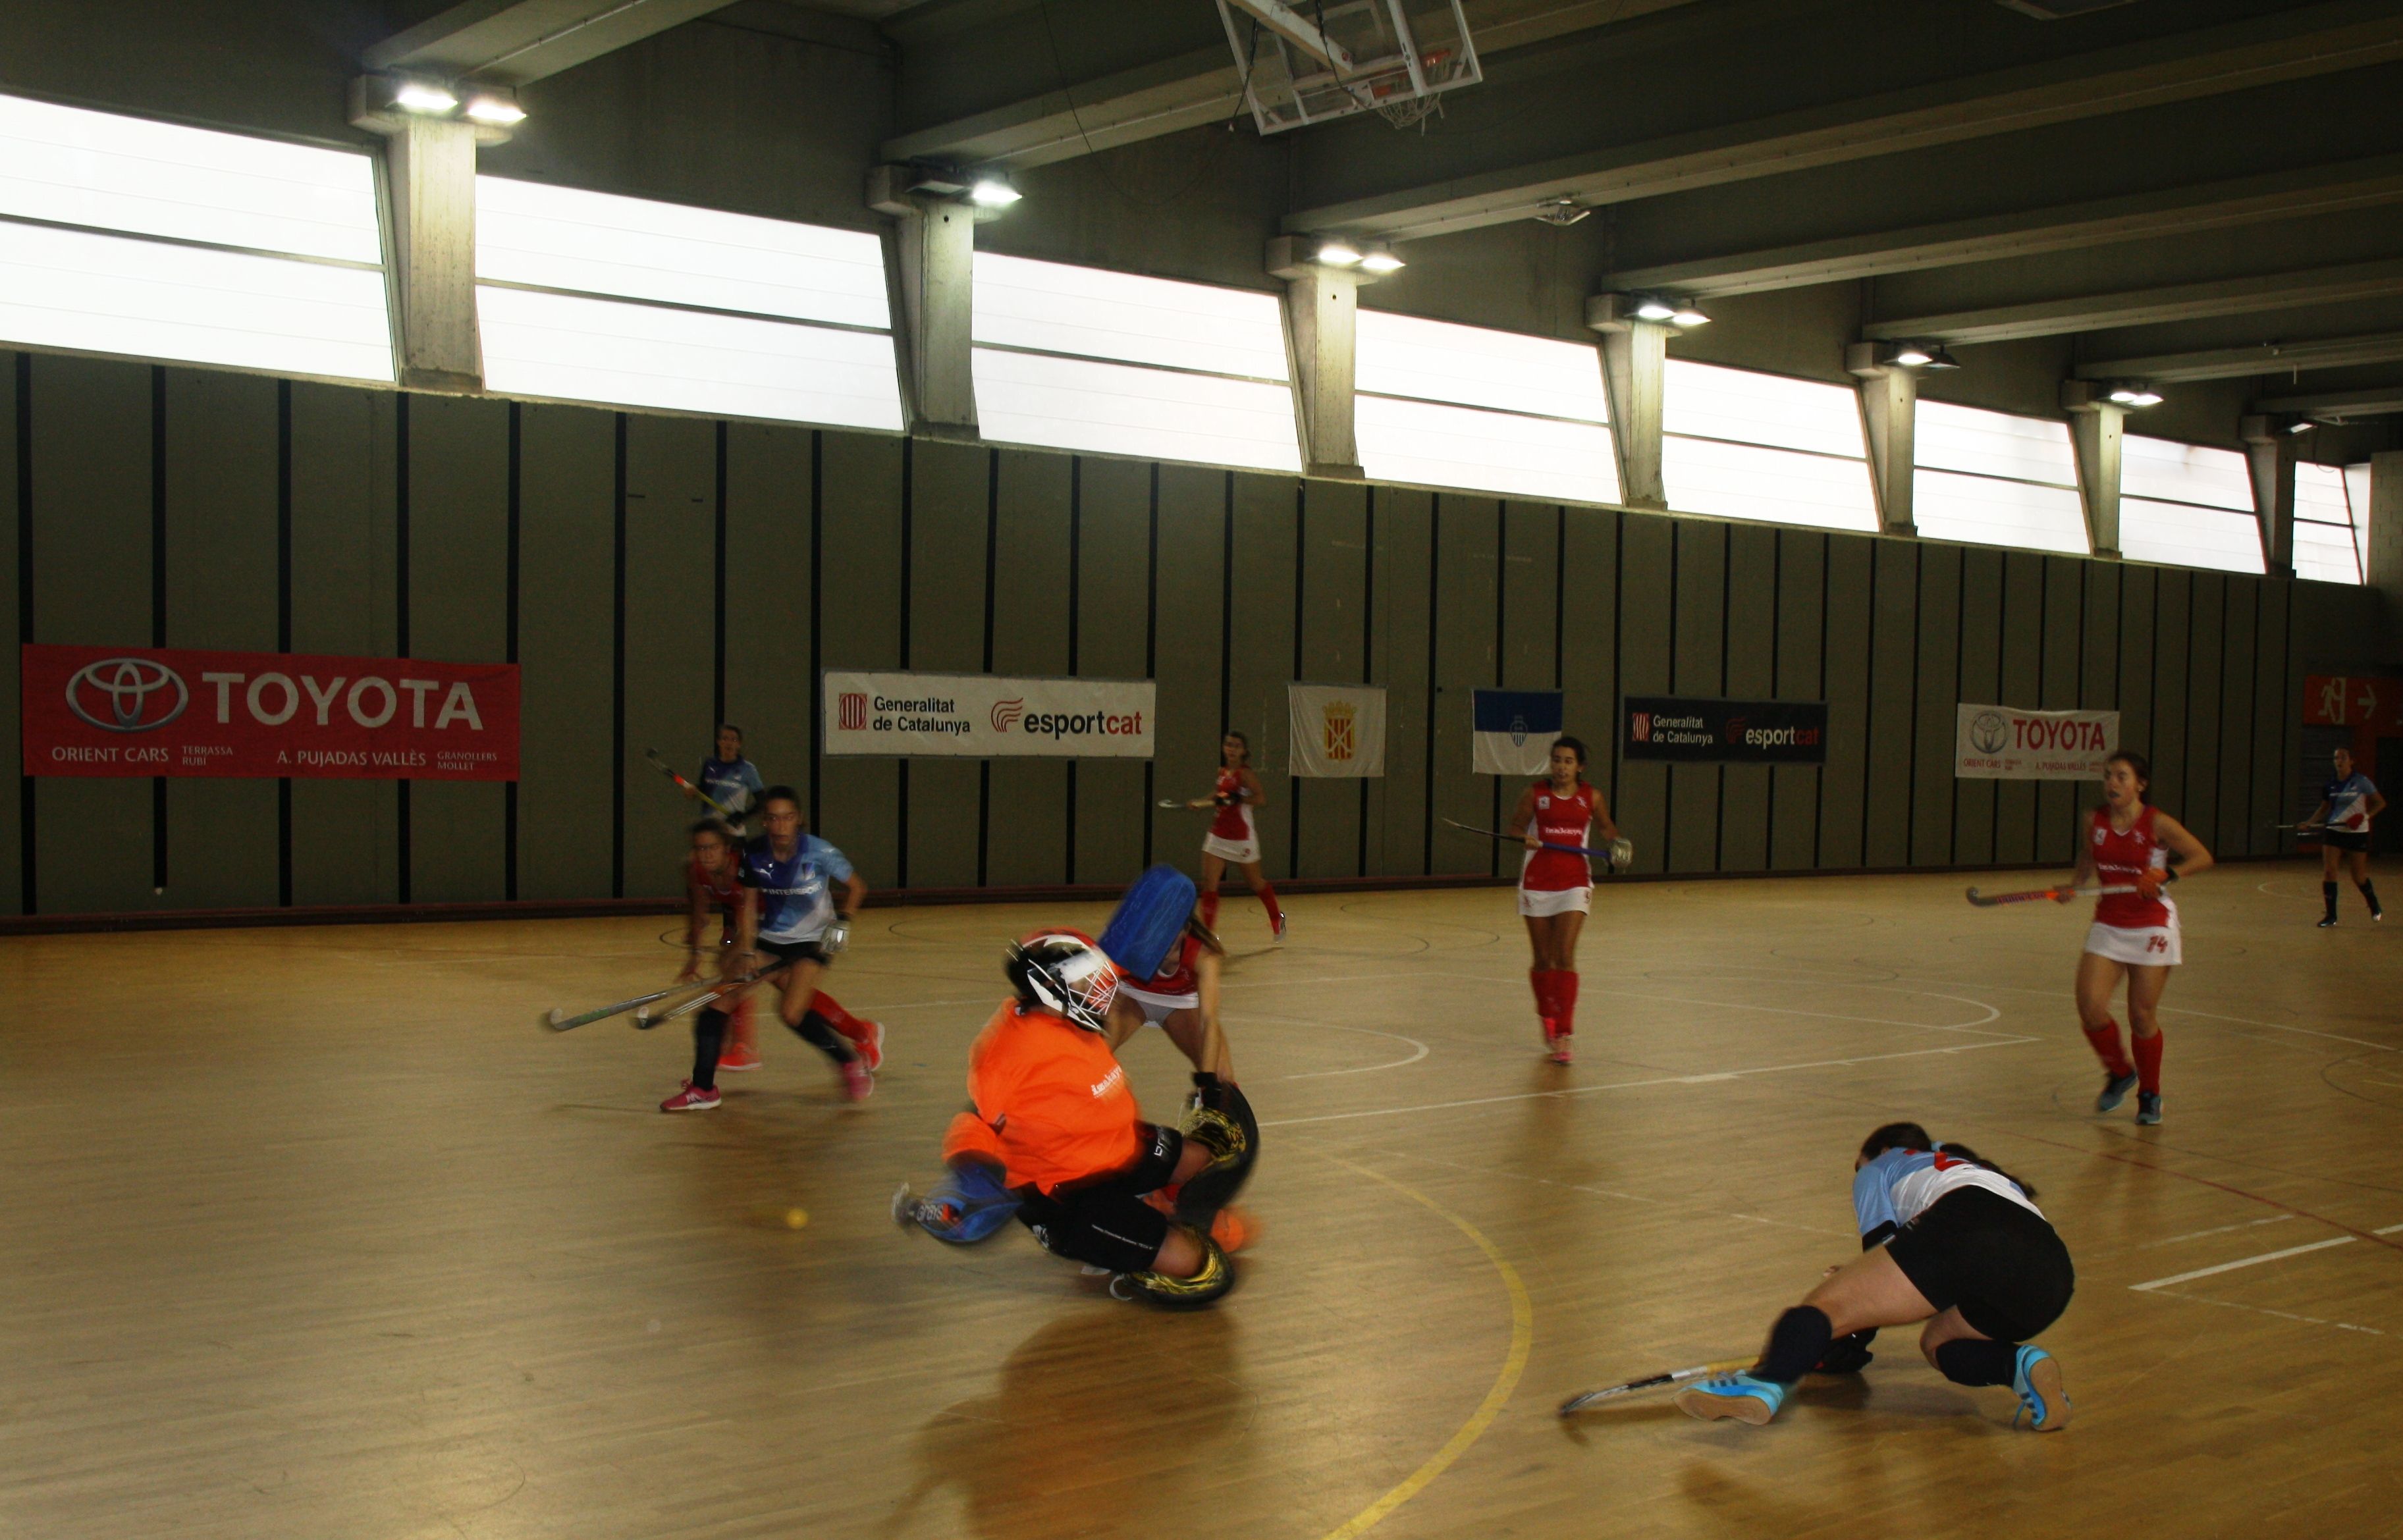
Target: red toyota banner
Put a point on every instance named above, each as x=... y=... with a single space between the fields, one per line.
x=173 y=711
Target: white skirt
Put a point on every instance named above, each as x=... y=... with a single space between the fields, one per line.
x=1160 y=1008
x=1241 y=852
x=1538 y=903
x=2146 y=947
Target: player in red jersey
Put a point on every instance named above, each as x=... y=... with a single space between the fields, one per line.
x=1556 y=888
x=2130 y=844
x=1234 y=836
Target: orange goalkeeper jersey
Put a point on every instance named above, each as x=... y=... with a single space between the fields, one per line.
x=1051 y=1101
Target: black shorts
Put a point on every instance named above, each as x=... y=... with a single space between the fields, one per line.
x=2345 y=840
x=1105 y=1222
x=2000 y=1262
x=792 y=951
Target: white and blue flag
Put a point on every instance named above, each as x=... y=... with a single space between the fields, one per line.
x=1515 y=729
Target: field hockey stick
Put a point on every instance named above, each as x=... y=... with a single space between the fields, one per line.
x=2030 y=895
x=1520 y=839
x=1576 y=1404
x=669 y=771
x=646 y=1022
x=558 y=1020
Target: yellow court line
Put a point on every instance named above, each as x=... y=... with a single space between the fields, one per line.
x=1522 y=1336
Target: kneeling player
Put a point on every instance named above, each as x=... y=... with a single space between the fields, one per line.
x=1949 y=1239
x=1054 y=1128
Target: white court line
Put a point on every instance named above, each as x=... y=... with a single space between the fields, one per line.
x=1992 y=1014
x=2220 y=1230
x=1370 y=1031
x=2255 y=1261
x=2262 y=1310
x=1631 y=1085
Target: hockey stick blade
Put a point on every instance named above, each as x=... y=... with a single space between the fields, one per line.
x=558 y=1020
x=646 y=1022
x=1576 y=1404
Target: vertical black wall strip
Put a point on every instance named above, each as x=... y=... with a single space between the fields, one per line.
x=284 y=621
x=158 y=601
x=1819 y=803
x=1227 y=616
x=2002 y=668
x=25 y=872
x=1075 y=630
x=2043 y=698
x=1559 y=595
x=717 y=672
x=1434 y=687
x=401 y=809
x=1293 y=777
x=1910 y=740
x=1960 y=651
x=1501 y=652
x=1368 y=643
x=1776 y=680
x=991 y=557
x=1150 y=651
x=1869 y=710
x=1726 y=610
x=1669 y=773
x=908 y=562
x=817 y=610
x=510 y=598
x=618 y=662
x=1617 y=651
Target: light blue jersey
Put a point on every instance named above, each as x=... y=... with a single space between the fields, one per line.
x=796 y=903
x=1899 y=1186
x=2348 y=803
x=732 y=786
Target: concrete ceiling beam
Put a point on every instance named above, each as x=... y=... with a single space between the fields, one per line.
x=512 y=42
x=2336 y=406
x=2209 y=61
x=2067 y=226
x=2151 y=307
x=2261 y=358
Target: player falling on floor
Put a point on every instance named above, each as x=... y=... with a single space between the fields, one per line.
x=1556 y=887
x=1235 y=835
x=789 y=928
x=728 y=779
x=1053 y=1123
x=2342 y=823
x=1947 y=1238
x=2130 y=844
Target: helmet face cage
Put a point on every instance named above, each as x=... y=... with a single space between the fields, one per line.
x=1066 y=974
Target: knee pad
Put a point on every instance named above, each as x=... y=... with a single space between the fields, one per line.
x=1233 y=1135
x=1211 y=1284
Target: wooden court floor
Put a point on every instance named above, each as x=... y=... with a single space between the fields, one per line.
x=315 y=1233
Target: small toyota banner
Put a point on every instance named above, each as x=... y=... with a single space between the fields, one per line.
x=1697 y=731
x=174 y=711
x=987 y=716
x=1514 y=731
x=1339 y=731
x=2005 y=744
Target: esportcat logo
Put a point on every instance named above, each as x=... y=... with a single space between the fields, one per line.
x=1005 y=713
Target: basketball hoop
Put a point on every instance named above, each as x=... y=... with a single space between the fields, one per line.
x=1311 y=61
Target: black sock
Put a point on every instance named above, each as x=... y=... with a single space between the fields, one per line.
x=818 y=1029
x=1796 y=1344
x=1975 y=1361
x=2328 y=893
x=708 y=1041
x=2370 y=895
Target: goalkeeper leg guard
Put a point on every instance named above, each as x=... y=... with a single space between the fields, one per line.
x=1170 y=1292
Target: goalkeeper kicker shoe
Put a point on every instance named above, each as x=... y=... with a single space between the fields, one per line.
x=1737 y=1395
x=2035 y=1378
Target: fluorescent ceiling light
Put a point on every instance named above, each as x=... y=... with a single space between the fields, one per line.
x=1655 y=310
x=2306 y=426
x=1911 y=356
x=1339 y=253
x=993 y=192
x=1381 y=260
x=499 y=111
x=418 y=96
x=1688 y=317
x=2135 y=395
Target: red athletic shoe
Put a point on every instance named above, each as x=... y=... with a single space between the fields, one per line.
x=1552 y=1029
x=868 y=1041
x=857 y=1082
x=1561 y=1054
x=740 y=1058
x=691 y=1099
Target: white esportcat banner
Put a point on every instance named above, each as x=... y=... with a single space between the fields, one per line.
x=1337 y=730
x=2005 y=744
x=987 y=715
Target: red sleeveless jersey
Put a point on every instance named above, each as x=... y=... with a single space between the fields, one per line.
x=724 y=889
x=2120 y=858
x=1559 y=821
x=1234 y=820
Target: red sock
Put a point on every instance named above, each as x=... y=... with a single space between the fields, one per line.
x=2105 y=1041
x=1540 y=980
x=1566 y=985
x=1268 y=902
x=742 y=1031
x=838 y=1018
x=1210 y=908
x=2149 y=1064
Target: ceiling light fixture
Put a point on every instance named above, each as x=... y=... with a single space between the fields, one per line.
x=1911 y=356
x=2304 y=425
x=1688 y=317
x=1381 y=259
x=1336 y=253
x=422 y=97
x=496 y=109
x=1940 y=358
x=1650 y=308
x=2135 y=395
x=991 y=190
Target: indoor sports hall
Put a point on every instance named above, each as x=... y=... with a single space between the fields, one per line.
x=1293 y=768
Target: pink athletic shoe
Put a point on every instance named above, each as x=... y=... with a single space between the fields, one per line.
x=1277 y=930
x=869 y=1043
x=691 y=1099
x=857 y=1082
x=740 y=1058
x=1561 y=1054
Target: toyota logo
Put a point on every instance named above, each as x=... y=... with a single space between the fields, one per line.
x=134 y=694
x=1989 y=731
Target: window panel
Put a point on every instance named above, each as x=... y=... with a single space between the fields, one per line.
x=1750 y=481
x=1989 y=510
x=2325 y=546
x=1428 y=443
x=1994 y=443
x=1125 y=316
x=1120 y=409
x=150 y=299
x=129 y=173
x=528 y=232
x=2162 y=470
x=1708 y=401
x=1477 y=367
x=576 y=349
x=2183 y=535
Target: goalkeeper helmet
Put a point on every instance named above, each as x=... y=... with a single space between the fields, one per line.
x=1065 y=972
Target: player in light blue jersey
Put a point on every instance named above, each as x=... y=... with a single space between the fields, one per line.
x=1947 y=1238
x=729 y=780
x=2342 y=823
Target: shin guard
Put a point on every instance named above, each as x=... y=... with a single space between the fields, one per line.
x=1169 y=1292
x=1222 y=1122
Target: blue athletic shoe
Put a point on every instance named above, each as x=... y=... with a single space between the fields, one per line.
x=2115 y=1090
x=1737 y=1396
x=2148 y=1106
x=2035 y=1378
